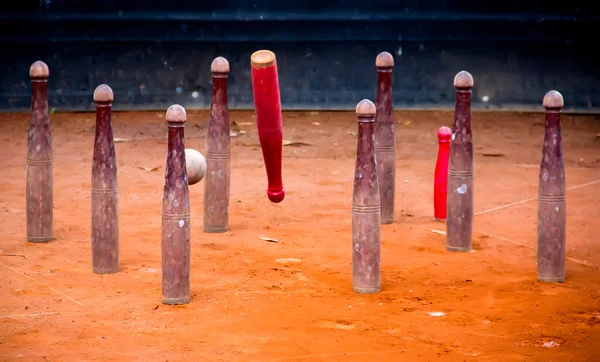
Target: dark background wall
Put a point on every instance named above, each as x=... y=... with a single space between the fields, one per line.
x=155 y=53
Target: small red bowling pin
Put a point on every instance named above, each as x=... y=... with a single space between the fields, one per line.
x=440 y=182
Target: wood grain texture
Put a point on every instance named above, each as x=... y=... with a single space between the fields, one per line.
x=459 y=209
x=366 y=212
x=385 y=143
x=105 y=195
x=175 y=221
x=39 y=178
x=552 y=208
x=218 y=159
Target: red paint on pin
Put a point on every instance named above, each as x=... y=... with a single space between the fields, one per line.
x=440 y=181
x=267 y=104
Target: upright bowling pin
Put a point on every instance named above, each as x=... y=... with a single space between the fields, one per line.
x=366 y=209
x=40 y=180
x=459 y=223
x=385 y=136
x=176 y=214
x=217 y=179
x=105 y=191
x=440 y=180
x=552 y=211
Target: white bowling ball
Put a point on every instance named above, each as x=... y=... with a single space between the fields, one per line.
x=195 y=164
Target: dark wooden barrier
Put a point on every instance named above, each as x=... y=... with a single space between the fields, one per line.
x=154 y=54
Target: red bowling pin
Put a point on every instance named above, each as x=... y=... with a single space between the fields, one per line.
x=440 y=182
x=267 y=103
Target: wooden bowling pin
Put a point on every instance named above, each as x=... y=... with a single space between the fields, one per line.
x=440 y=180
x=385 y=136
x=459 y=209
x=217 y=179
x=39 y=179
x=552 y=211
x=175 y=214
x=269 y=121
x=105 y=191
x=366 y=209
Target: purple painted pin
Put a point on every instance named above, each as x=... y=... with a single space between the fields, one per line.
x=176 y=214
x=39 y=180
x=552 y=199
x=217 y=179
x=366 y=209
x=385 y=136
x=105 y=190
x=459 y=209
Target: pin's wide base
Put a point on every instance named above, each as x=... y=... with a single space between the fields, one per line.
x=551 y=279
x=39 y=239
x=276 y=196
x=387 y=221
x=367 y=290
x=208 y=229
x=176 y=300
x=458 y=249
x=106 y=271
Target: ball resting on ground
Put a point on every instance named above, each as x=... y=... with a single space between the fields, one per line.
x=195 y=165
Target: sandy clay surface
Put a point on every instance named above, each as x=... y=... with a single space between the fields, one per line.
x=248 y=305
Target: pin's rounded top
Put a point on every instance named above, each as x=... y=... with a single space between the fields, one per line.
x=219 y=65
x=444 y=133
x=553 y=99
x=176 y=113
x=384 y=60
x=262 y=58
x=463 y=79
x=39 y=69
x=365 y=108
x=103 y=93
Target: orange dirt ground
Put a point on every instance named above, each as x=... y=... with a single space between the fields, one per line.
x=247 y=306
